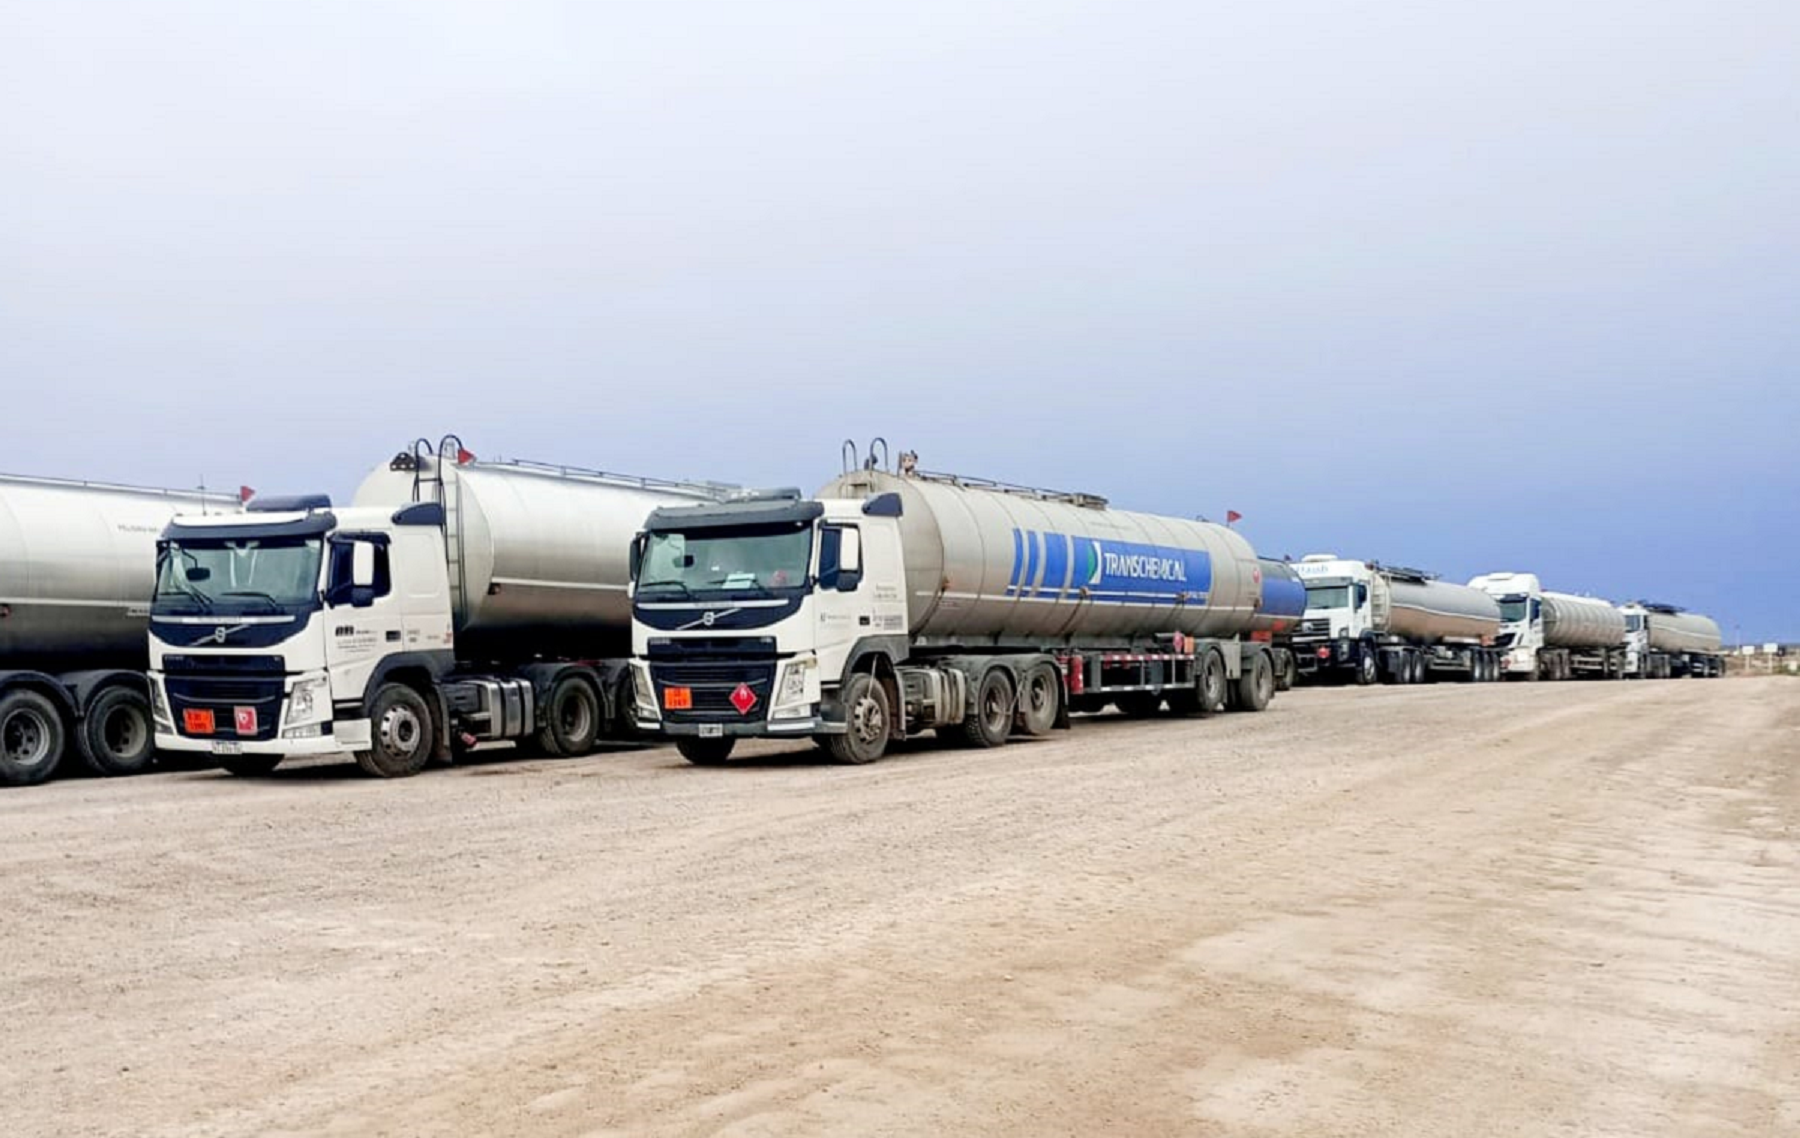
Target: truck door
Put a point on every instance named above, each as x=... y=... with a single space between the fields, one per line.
x=364 y=619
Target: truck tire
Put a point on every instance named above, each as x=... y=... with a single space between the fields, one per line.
x=869 y=719
x=401 y=734
x=1256 y=684
x=991 y=721
x=1144 y=704
x=705 y=752
x=116 y=736
x=31 y=738
x=1040 y=703
x=1287 y=673
x=1211 y=685
x=251 y=766
x=1367 y=671
x=571 y=718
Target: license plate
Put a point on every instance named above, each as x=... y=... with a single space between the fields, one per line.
x=220 y=747
x=711 y=731
x=678 y=699
x=197 y=721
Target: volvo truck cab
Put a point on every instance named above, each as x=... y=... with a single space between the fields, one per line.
x=752 y=617
x=280 y=631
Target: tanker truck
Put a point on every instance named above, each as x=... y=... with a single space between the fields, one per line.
x=1367 y=622
x=455 y=602
x=1663 y=641
x=1283 y=605
x=1554 y=636
x=76 y=564
x=897 y=602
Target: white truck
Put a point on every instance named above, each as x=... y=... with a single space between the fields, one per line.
x=1662 y=641
x=1367 y=622
x=76 y=571
x=898 y=602
x=1554 y=636
x=456 y=602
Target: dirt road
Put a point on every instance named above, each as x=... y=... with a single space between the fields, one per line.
x=1561 y=909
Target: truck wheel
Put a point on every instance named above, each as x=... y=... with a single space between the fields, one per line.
x=1256 y=684
x=870 y=721
x=1366 y=670
x=1143 y=704
x=1040 y=701
x=401 y=725
x=251 y=766
x=1287 y=674
x=705 y=752
x=1212 y=683
x=116 y=736
x=991 y=721
x=31 y=738
x=571 y=718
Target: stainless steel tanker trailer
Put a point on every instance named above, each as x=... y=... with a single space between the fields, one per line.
x=1368 y=622
x=897 y=602
x=76 y=571
x=1554 y=636
x=1662 y=641
x=455 y=602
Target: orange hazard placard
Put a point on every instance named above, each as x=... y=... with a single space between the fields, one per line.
x=678 y=699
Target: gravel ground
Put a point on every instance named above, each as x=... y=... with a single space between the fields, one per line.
x=1553 y=909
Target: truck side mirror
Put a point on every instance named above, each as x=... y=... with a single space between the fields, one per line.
x=637 y=554
x=840 y=558
x=850 y=553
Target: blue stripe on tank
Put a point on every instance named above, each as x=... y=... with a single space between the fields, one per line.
x=1056 y=562
x=1032 y=541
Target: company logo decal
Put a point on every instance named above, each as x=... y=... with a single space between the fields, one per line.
x=1122 y=572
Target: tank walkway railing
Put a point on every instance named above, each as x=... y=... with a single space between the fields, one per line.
x=200 y=494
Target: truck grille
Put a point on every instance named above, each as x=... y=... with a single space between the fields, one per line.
x=1318 y=627
x=223 y=685
x=712 y=683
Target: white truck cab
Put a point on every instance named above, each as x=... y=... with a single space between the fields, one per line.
x=1344 y=599
x=750 y=617
x=273 y=632
x=1521 y=600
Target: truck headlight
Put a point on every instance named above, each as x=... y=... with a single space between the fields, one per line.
x=307 y=701
x=794 y=694
x=644 y=691
x=159 y=705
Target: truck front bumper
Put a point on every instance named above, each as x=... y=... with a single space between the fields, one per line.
x=333 y=739
x=747 y=729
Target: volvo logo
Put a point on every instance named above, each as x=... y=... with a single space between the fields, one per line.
x=220 y=634
x=708 y=619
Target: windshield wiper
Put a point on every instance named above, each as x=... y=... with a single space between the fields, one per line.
x=203 y=601
x=257 y=593
x=677 y=586
x=742 y=586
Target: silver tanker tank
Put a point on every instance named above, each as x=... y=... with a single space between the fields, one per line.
x=1581 y=622
x=538 y=553
x=986 y=562
x=77 y=567
x=1673 y=631
x=1429 y=611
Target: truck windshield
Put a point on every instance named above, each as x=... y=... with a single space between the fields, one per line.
x=1513 y=609
x=756 y=561
x=252 y=575
x=1327 y=596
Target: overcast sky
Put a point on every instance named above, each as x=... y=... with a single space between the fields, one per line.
x=1469 y=287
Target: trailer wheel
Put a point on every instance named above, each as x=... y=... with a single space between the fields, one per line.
x=251 y=766
x=705 y=752
x=1144 y=704
x=1367 y=672
x=1256 y=685
x=571 y=718
x=1040 y=701
x=1287 y=674
x=991 y=721
x=870 y=721
x=31 y=738
x=116 y=736
x=1212 y=683
x=402 y=740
